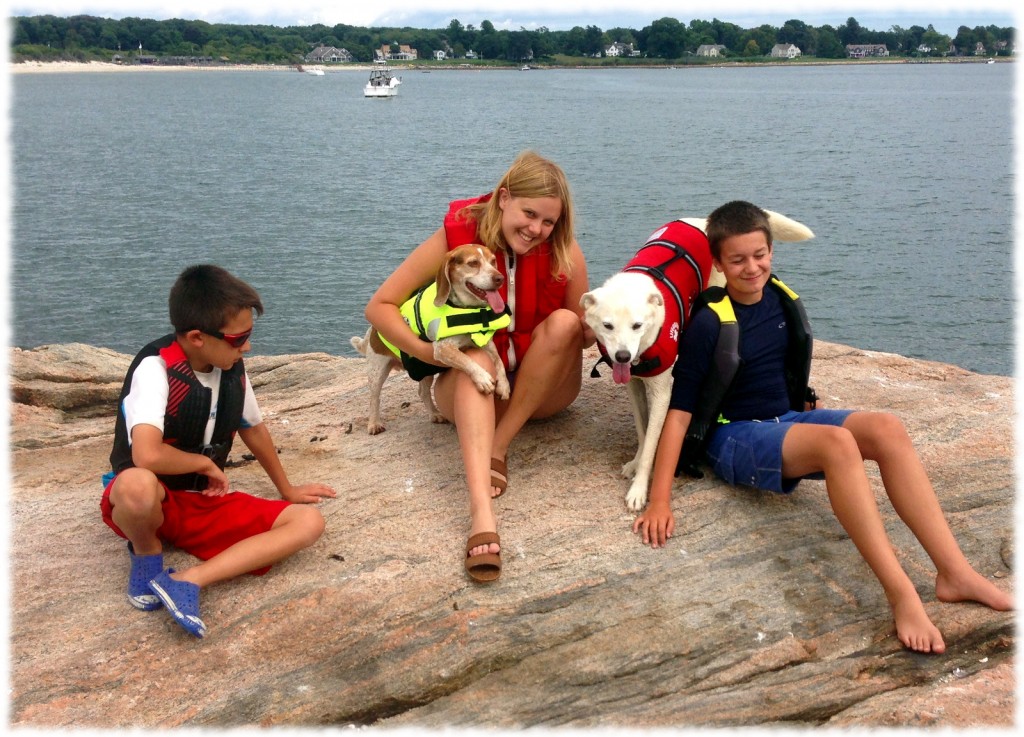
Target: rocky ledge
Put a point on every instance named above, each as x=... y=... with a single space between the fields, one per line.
x=758 y=612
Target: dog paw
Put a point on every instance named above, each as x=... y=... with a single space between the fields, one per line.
x=375 y=428
x=502 y=389
x=636 y=498
x=484 y=383
x=629 y=469
x=438 y=419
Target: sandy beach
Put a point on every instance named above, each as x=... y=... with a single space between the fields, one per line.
x=51 y=67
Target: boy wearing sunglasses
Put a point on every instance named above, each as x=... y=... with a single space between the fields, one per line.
x=184 y=398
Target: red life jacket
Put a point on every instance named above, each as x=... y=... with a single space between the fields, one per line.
x=678 y=258
x=188 y=410
x=536 y=292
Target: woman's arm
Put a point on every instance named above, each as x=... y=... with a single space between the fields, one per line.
x=579 y=284
x=382 y=311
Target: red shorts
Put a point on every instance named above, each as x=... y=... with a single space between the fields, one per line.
x=207 y=525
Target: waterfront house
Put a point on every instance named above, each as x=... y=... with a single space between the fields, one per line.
x=322 y=54
x=785 y=51
x=710 y=50
x=861 y=51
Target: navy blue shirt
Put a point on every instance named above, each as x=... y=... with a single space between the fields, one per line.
x=759 y=390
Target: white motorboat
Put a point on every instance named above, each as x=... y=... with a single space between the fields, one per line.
x=382 y=82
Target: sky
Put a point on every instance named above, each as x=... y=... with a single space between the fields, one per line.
x=556 y=15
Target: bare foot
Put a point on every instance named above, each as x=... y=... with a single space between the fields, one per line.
x=484 y=523
x=971 y=586
x=493 y=548
x=914 y=628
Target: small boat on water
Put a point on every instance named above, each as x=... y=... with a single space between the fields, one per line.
x=382 y=82
x=315 y=71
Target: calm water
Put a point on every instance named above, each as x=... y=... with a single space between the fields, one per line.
x=314 y=194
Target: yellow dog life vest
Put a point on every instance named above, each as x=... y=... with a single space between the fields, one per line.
x=432 y=322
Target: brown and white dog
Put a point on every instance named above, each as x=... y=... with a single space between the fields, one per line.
x=638 y=315
x=467 y=278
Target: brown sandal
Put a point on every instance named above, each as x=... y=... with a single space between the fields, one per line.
x=486 y=566
x=499 y=475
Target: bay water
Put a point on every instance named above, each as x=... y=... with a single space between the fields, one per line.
x=314 y=194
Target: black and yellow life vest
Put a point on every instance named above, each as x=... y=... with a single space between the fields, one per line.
x=726 y=363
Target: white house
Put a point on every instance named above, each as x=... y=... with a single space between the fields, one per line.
x=710 y=50
x=621 y=49
x=785 y=51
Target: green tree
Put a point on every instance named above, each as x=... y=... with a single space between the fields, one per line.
x=829 y=45
x=666 y=38
x=491 y=43
x=851 y=33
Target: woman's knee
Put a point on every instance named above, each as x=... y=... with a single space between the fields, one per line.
x=561 y=327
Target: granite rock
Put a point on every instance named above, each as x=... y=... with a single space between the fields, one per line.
x=758 y=612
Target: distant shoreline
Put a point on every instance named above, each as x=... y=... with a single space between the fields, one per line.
x=49 y=67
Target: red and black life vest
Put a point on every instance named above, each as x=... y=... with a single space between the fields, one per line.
x=678 y=258
x=188 y=410
x=536 y=293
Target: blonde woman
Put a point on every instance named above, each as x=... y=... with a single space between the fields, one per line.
x=528 y=222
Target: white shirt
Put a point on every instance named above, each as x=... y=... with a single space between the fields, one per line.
x=146 y=402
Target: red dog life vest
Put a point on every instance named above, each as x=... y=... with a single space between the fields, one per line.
x=678 y=258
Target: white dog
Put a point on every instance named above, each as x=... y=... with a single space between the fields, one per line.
x=460 y=308
x=638 y=315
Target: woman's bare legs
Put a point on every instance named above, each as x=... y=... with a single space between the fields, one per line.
x=547 y=381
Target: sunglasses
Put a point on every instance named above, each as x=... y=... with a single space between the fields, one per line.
x=236 y=340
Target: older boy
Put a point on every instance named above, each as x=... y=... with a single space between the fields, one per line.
x=184 y=398
x=746 y=406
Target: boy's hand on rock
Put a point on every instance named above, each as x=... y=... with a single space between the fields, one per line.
x=656 y=524
x=309 y=493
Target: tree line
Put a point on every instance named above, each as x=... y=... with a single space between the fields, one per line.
x=84 y=37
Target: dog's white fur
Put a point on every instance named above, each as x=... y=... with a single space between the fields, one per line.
x=626 y=314
x=465 y=269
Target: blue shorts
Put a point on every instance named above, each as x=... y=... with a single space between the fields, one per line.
x=749 y=452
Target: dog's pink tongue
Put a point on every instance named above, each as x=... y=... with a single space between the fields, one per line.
x=495 y=301
x=620 y=372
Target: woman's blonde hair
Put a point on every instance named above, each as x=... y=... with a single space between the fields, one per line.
x=530 y=176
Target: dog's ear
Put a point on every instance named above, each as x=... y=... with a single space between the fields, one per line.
x=654 y=298
x=586 y=300
x=444 y=283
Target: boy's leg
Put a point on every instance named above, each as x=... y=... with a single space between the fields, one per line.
x=297 y=526
x=883 y=438
x=809 y=449
x=133 y=505
x=135 y=496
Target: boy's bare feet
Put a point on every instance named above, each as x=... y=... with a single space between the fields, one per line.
x=970 y=585
x=914 y=628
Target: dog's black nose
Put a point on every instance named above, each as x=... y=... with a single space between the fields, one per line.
x=622 y=357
